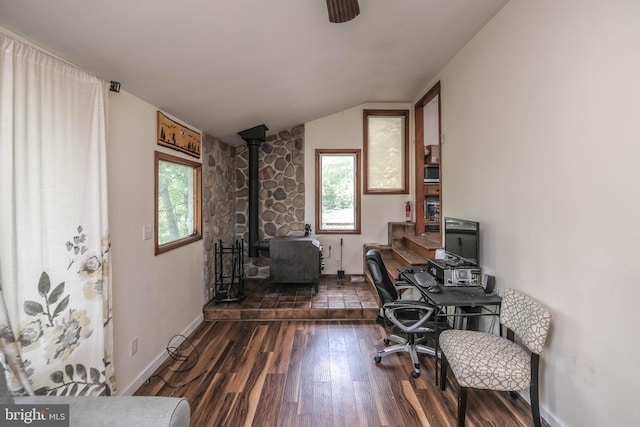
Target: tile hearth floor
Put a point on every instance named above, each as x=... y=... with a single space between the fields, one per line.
x=335 y=300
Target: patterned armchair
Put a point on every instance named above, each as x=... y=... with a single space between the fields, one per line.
x=485 y=361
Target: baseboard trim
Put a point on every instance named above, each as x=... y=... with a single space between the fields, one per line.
x=158 y=360
x=543 y=413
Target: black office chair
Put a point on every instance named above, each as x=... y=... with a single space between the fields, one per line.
x=409 y=317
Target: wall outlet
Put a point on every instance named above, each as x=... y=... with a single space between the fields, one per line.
x=134 y=346
x=147 y=232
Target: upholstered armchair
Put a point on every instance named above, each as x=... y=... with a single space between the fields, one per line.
x=112 y=411
x=485 y=361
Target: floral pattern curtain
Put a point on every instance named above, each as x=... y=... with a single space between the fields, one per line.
x=55 y=305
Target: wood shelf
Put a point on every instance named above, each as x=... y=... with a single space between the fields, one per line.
x=431 y=189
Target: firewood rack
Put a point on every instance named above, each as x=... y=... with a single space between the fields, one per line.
x=229 y=286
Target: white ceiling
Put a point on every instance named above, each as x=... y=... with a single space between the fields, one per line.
x=225 y=66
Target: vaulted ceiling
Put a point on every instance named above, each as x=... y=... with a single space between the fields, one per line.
x=225 y=66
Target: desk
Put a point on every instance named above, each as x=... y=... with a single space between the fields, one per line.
x=469 y=302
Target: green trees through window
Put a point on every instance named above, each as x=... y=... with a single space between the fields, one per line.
x=177 y=202
x=175 y=220
x=337 y=191
x=338 y=183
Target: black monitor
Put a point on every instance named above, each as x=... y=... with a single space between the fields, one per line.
x=462 y=239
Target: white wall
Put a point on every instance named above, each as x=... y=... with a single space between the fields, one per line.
x=431 y=116
x=344 y=130
x=540 y=116
x=154 y=297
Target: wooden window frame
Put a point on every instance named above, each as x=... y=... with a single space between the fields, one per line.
x=318 y=190
x=197 y=202
x=404 y=189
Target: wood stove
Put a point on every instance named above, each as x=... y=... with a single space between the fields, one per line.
x=292 y=259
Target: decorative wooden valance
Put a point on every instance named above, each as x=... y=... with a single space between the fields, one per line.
x=174 y=135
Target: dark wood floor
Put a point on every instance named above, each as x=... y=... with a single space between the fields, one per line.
x=314 y=373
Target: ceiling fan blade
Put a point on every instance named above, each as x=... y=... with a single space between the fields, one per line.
x=342 y=10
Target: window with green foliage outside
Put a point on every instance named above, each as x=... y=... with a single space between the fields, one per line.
x=178 y=192
x=337 y=191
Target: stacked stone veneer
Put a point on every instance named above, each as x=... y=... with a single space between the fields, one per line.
x=218 y=210
x=281 y=194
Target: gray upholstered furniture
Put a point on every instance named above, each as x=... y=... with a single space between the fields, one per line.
x=486 y=361
x=116 y=411
x=409 y=317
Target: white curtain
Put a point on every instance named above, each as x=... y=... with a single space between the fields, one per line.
x=55 y=303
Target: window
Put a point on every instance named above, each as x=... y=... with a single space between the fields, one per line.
x=386 y=151
x=337 y=191
x=178 y=206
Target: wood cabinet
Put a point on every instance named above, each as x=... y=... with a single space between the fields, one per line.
x=432 y=208
x=432 y=189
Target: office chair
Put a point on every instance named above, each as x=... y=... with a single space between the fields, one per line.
x=409 y=317
x=485 y=361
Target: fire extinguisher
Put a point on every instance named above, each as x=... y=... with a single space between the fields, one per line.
x=407 y=211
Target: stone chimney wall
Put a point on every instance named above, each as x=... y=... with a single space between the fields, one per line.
x=281 y=195
x=218 y=204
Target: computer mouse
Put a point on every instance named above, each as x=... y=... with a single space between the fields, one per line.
x=434 y=289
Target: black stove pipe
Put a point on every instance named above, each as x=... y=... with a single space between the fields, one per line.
x=254 y=137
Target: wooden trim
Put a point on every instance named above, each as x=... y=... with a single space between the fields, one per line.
x=365 y=150
x=197 y=202
x=418 y=118
x=431 y=93
x=419 y=156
